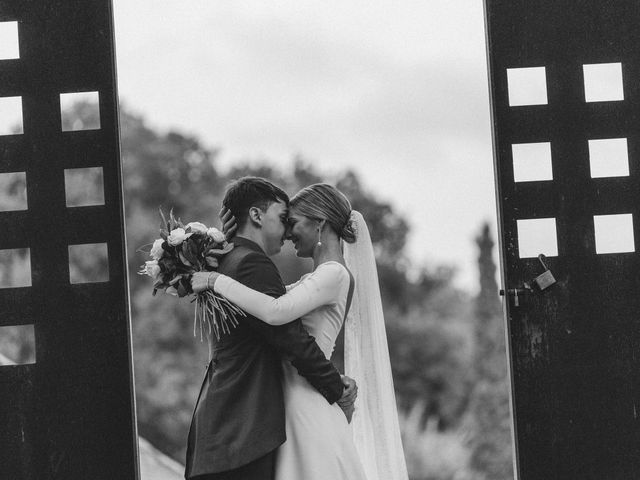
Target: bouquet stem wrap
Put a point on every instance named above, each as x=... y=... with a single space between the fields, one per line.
x=214 y=314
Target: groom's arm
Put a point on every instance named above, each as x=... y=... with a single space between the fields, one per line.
x=291 y=340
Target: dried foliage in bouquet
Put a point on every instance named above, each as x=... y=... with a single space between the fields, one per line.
x=181 y=251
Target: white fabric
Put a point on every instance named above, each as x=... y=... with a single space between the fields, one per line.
x=375 y=422
x=319 y=442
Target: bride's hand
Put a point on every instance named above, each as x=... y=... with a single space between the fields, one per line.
x=229 y=224
x=200 y=281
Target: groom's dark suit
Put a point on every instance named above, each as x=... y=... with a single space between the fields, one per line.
x=239 y=415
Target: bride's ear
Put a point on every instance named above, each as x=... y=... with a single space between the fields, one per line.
x=321 y=224
x=255 y=216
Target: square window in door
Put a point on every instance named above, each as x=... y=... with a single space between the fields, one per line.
x=88 y=263
x=603 y=82
x=9 y=45
x=15 y=268
x=18 y=344
x=531 y=162
x=84 y=186
x=527 y=86
x=609 y=157
x=536 y=236
x=13 y=191
x=614 y=233
x=80 y=111
x=11 y=116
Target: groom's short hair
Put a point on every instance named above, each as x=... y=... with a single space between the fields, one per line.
x=246 y=192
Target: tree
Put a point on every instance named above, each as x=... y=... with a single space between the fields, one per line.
x=490 y=420
x=388 y=229
x=431 y=362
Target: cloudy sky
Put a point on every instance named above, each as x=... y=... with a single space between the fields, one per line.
x=396 y=90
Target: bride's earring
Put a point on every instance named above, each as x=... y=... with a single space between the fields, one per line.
x=319 y=244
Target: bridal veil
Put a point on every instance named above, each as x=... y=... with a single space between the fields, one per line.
x=375 y=422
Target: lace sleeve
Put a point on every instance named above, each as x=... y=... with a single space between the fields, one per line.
x=322 y=287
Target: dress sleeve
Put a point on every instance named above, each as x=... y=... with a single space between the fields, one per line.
x=292 y=342
x=321 y=287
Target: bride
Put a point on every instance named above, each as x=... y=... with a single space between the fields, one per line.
x=320 y=442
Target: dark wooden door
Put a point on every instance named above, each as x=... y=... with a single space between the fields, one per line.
x=70 y=414
x=565 y=93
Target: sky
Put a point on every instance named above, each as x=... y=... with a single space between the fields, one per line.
x=395 y=90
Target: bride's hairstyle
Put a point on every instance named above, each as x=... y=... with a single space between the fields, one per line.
x=321 y=201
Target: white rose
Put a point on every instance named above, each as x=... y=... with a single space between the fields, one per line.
x=152 y=268
x=216 y=235
x=177 y=236
x=156 y=250
x=197 y=227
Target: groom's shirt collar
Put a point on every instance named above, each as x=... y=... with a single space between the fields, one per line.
x=245 y=242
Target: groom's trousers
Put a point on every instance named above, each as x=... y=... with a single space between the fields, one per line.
x=261 y=469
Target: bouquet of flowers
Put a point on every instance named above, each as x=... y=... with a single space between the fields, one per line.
x=181 y=251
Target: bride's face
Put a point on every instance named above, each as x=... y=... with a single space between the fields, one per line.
x=303 y=232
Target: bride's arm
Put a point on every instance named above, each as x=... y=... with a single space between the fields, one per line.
x=319 y=288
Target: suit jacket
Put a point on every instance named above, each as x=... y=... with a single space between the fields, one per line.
x=239 y=414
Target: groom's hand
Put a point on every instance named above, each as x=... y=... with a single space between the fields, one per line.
x=349 y=395
x=350 y=392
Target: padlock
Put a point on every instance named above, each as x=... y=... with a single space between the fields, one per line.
x=546 y=279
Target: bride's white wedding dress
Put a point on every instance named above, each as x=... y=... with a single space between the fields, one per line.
x=319 y=443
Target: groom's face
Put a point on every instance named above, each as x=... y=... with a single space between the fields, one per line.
x=274 y=220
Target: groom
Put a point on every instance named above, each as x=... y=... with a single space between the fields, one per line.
x=239 y=422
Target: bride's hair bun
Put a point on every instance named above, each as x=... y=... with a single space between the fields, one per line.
x=325 y=202
x=348 y=233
